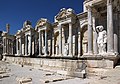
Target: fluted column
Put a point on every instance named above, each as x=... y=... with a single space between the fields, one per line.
x=110 y=39
x=70 y=40
x=46 y=43
x=40 y=43
x=90 y=35
x=60 y=40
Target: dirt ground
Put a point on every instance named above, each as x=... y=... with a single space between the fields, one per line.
x=16 y=74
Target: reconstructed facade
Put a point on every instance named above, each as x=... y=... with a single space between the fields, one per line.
x=92 y=34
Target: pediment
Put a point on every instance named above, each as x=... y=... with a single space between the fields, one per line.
x=64 y=13
x=42 y=22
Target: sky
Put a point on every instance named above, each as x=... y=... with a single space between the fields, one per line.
x=16 y=12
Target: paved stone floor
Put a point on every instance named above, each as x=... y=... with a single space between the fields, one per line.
x=16 y=74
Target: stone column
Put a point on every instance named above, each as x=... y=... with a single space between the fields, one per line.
x=90 y=35
x=26 y=45
x=6 y=46
x=30 y=41
x=110 y=38
x=20 y=46
x=46 y=43
x=79 y=44
x=116 y=33
x=95 y=46
x=60 y=40
x=16 y=46
x=3 y=45
x=70 y=40
x=53 y=45
x=40 y=43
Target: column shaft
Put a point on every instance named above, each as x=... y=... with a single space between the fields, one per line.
x=70 y=40
x=46 y=43
x=20 y=46
x=26 y=45
x=53 y=45
x=90 y=36
x=110 y=38
x=60 y=40
x=40 y=43
x=79 y=44
x=30 y=52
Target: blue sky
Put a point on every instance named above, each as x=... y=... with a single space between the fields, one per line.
x=15 y=12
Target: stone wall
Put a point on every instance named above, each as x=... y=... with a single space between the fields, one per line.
x=61 y=66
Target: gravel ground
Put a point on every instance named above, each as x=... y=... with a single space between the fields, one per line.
x=11 y=73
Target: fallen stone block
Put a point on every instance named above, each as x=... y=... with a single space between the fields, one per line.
x=3 y=75
x=24 y=80
x=45 y=80
x=1 y=72
x=49 y=73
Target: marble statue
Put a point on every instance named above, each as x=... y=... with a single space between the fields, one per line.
x=102 y=39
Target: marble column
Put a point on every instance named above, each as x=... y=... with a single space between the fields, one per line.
x=110 y=38
x=7 y=46
x=40 y=43
x=3 y=45
x=60 y=40
x=79 y=43
x=95 y=46
x=116 y=33
x=46 y=43
x=26 y=45
x=16 y=46
x=53 y=45
x=70 y=40
x=30 y=41
x=20 y=46
x=90 y=35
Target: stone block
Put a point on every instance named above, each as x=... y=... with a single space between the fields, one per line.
x=3 y=75
x=24 y=80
